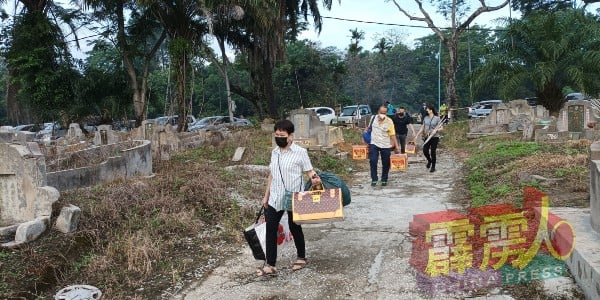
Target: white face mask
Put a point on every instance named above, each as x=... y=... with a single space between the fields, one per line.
x=381 y=116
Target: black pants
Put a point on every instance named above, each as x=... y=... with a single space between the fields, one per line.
x=402 y=142
x=273 y=217
x=430 y=148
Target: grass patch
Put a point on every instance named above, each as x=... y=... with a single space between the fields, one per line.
x=496 y=167
x=152 y=232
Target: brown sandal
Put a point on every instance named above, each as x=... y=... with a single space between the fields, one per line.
x=299 y=264
x=266 y=271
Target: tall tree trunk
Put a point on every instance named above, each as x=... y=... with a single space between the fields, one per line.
x=182 y=65
x=230 y=107
x=267 y=90
x=138 y=86
x=452 y=45
x=13 y=107
x=550 y=97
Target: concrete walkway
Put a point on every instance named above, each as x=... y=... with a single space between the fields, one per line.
x=363 y=257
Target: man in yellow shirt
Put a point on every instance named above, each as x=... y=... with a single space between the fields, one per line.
x=383 y=140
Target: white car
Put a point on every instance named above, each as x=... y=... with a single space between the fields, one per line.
x=349 y=116
x=483 y=109
x=325 y=114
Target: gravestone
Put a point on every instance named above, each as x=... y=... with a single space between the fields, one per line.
x=164 y=140
x=575 y=118
x=74 y=134
x=105 y=135
x=24 y=195
x=502 y=116
x=541 y=112
x=306 y=127
x=310 y=132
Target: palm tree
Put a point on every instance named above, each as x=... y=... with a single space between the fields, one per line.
x=550 y=52
x=382 y=46
x=260 y=36
x=355 y=37
x=185 y=25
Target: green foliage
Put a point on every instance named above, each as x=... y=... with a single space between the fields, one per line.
x=3 y=78
x=547 y=53
x=578 y=172
x=104 y=85
x=83 y=262
x=502 y=153
x=530 y=6
x=310 y=77
x=329 y=163
x=41 y=68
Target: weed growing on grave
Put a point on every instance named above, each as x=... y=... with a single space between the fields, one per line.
x=138 y=237
x=497 y=167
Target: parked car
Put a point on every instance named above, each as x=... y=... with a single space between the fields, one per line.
x=349 y=114
x=174 y=119
x=532 y=101
x=51 y=131
x=216 y=121
x=575 y=96
x=325 y=114
x=29 y=127
x=484 y=108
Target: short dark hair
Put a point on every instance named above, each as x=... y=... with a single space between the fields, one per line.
x=387 y=102
x=284 y=125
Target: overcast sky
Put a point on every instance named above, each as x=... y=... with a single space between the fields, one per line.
x=337 y=33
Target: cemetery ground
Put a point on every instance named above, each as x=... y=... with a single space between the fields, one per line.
x=148 y=238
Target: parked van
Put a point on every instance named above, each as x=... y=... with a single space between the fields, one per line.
x=349 y=114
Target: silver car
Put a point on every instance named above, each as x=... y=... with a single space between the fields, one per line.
x=218 y=121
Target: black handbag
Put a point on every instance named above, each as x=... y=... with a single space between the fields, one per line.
x=252 y=238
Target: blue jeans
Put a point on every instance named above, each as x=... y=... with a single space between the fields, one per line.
x=385 y=162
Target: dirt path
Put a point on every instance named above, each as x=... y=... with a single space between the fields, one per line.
x=363 y=257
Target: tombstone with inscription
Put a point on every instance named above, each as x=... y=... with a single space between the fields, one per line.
x=24 y=195
x=306 y=127
x=574 y=116
x=310 y=132
x=105 y=135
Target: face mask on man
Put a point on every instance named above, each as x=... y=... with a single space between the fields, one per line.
x=282 y=142
x=401 y=114
x=381 y=116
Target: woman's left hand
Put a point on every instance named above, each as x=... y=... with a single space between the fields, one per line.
x=316 y=180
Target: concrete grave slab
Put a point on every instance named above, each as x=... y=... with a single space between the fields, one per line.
x=29 y=231
x=24 y=194
x=239 y=152
x=68 y=219
x=584 y=262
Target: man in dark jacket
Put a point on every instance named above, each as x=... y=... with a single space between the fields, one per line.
x=402 y=120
